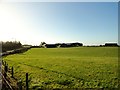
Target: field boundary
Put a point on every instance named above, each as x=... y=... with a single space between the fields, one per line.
x=12 y=82
x=8 y=79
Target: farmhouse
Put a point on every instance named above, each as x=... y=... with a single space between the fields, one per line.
x=111 y=44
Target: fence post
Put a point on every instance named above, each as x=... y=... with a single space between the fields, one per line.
x=7 y=66
x=12 y=72
x=5 y=63
x=26 y=81
x=5 y=71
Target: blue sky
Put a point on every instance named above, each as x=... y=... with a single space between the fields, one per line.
x=92 y=23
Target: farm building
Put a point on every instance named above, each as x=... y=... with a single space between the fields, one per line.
x=111 y=44
x=76 y=44
x=62 y=45
x=50 y=45
x=70 y=44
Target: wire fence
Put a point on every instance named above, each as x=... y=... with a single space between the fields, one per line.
x=10 y=81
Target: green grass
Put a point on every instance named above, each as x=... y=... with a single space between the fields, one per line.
x=82 y=67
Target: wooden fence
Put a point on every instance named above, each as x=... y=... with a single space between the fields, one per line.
x=10 y=82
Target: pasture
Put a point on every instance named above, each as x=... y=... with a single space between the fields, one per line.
x=80 y=67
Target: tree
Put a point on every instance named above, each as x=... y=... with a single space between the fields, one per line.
x=9 y=45
x=42 y=44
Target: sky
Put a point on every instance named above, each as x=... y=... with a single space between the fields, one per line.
x=90 y=23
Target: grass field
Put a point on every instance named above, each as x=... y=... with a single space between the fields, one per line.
x=81 y=67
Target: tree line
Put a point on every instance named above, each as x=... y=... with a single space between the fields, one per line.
x=10 y=45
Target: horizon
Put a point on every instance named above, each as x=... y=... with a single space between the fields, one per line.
x=67 y=42
x=90 y=23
